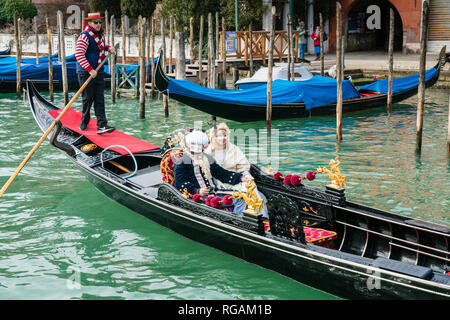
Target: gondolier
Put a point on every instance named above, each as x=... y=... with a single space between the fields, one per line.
x=89 y=52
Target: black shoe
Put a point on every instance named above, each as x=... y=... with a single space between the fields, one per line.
x=105 y=129
x=83 y=126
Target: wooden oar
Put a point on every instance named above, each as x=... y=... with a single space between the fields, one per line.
x=24 y=162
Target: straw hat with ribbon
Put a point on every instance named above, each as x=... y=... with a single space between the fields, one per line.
x=92 y=16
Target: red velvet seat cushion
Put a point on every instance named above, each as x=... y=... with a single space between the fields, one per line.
x=312 y=235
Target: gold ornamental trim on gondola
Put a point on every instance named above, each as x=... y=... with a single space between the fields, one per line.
x=337 y=179
x=88 y=147
x=254 y=204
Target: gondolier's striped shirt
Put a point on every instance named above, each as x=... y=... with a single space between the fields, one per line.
x=82 y=46
x=80 y=50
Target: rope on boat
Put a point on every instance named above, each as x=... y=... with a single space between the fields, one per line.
x=132 y=156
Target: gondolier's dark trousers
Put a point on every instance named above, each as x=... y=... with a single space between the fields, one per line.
x=93 y=93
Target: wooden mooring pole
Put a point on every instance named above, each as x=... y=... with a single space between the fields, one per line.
x=322 y=60
x=448 y=128
x=50 y=62
x=217 y=35
x=422 y=65
x=18 y=36
x=235 y=74
x=339 y=71
x=148 y=42
x=211 y=54
x=112 y=66
x=246 y=49
x=200 y=46
x=391 y=60
x=58 y=37
x=211 y=58
x=107 y=30
x=191 y=39
x=124 y=38
x=250 y=48
x=171 y=44
x=292 y=42
x=217 y=50
x=289 y=36
x=163 y=64
x=36 y=33
x=181 y=55
x=141 y=49
x=223 y=53
x=152 y=90
x=63 y=57
x=269 y=75
x=82 y=21
x=210 y=38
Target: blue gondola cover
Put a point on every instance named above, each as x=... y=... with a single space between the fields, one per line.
x=315 y=92
x=399 y=84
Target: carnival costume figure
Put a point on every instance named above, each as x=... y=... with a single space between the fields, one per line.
x=195 y=171
x=231 y=157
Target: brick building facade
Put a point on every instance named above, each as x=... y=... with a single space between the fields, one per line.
x=407 y=26
x=71 y=10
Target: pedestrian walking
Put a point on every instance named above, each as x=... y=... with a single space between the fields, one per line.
x=301 y=39
x=316 y=37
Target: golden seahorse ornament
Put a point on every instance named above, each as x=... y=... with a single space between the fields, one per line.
x=337 y=179
x=254 y=204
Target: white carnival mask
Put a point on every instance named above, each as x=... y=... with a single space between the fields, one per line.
x=196 y=148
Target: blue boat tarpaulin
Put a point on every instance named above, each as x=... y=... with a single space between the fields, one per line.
x=315 y=92
x=13 y=60
x=29 y=70
x=38 y=71
x=399 y=84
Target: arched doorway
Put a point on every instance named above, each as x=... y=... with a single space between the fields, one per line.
x=369 y=29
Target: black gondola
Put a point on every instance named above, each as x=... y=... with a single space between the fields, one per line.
x=5 y=53
x=375 y=254
x=248 y=112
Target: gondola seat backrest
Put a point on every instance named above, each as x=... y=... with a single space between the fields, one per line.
x=168 y=163
x=286 y=221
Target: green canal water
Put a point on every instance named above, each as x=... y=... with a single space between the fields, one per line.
x=60 y=238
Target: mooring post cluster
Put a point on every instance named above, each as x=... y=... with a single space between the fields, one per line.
x=251 y=46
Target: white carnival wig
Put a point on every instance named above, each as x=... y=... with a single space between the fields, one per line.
x=197 y=137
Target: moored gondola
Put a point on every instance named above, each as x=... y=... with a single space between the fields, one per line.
x=38 y=73
x=290 y=99
x=314 y=236
x=5 y=53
